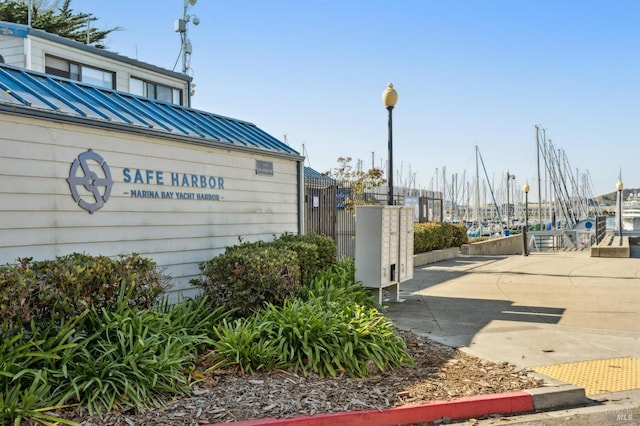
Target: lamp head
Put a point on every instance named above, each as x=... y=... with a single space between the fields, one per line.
x=526 y=188
x=389 y=96
x=619 y=185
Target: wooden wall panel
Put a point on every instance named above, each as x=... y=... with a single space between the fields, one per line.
x=12 y=49
x=39 y=217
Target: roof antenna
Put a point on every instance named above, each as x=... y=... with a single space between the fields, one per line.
x=305 y=154
x=181 y=27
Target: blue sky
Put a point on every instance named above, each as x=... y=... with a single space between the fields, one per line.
x=468 y=73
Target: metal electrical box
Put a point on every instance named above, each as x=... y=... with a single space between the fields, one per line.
x=384 y=248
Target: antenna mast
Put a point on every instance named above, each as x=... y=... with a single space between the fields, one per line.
x=181 y=26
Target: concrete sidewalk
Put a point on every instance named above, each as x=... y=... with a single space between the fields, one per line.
x=572 y=317
x=528 y=310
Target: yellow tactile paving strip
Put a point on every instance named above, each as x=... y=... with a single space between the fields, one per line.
x=597 y=377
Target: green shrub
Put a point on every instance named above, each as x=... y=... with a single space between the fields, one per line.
x=17 y=404
x=337 y=284
x=114 y=357
x=29 y=361
x=315 y=252
x=104 y=360
x=194 y=316
x=307 y=255
x=438 y=236
x=307 y=336
x=325 y=248
x=251 y=274
x=18 y=289
x=315 y=336
x=248 y=276
x=331 y=327
x=370 y=338
x=238 y=343
x=52 y=291
x=130 y=358
x=459 y=234
x=430 y=236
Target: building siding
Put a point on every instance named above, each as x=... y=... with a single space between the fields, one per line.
x=40 y=47
x=39 y=217
x=26 y=47
x=12 y=50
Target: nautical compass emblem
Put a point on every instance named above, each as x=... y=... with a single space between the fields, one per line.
x=94 y=182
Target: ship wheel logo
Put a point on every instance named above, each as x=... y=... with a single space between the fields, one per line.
x=90 y=181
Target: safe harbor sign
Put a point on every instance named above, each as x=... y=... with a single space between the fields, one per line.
x=91 y=183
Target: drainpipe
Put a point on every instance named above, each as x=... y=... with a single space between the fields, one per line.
x=301 y=197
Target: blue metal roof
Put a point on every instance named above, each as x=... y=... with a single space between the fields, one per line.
x=312 y=173
x=67 y=98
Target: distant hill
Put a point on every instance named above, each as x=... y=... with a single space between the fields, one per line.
x=610 y=198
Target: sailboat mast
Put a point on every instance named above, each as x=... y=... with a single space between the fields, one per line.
x=539 y=181
x=478 y=219
x=444 y=190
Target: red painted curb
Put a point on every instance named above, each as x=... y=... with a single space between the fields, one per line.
x=458 y=409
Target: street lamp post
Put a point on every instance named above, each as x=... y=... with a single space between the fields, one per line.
x=389 y=99
x=620 y=187
x=525 y=188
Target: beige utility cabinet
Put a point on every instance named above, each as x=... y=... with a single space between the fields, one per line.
x=384 y=248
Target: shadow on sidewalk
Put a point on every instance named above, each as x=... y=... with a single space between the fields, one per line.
x=455 y=320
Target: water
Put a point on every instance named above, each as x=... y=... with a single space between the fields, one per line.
x=611 y=221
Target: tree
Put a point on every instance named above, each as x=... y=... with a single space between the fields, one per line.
x=358 y=181
x=55 y=19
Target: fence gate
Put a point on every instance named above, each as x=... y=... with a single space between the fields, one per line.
x=430 y=208
x=320 y=207
x=328 y=211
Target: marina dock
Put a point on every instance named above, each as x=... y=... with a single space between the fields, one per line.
x=612 y=246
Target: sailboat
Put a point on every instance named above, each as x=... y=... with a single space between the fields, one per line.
x=482 y=226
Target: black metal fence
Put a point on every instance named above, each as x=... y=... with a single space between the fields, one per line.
x=601 y=228
x=328 y=210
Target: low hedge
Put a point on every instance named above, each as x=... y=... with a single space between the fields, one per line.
x=315 y=253
x=50 y=292
x=246 y=277
x=250 y=275
x=438 y=236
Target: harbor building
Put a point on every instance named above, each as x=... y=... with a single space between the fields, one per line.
x=91 y=164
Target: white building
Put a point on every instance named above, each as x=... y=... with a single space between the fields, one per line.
x=84 y=168
x=37 y=50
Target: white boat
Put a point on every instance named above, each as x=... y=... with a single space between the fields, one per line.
x=631 y=212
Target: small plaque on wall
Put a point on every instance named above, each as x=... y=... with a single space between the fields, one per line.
x=264 y=168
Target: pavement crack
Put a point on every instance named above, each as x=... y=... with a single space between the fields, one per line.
x=425 y=300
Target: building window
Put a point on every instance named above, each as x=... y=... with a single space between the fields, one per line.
x=79 y=72
x=153 y=90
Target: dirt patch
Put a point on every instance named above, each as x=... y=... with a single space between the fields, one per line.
x=441 y=373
